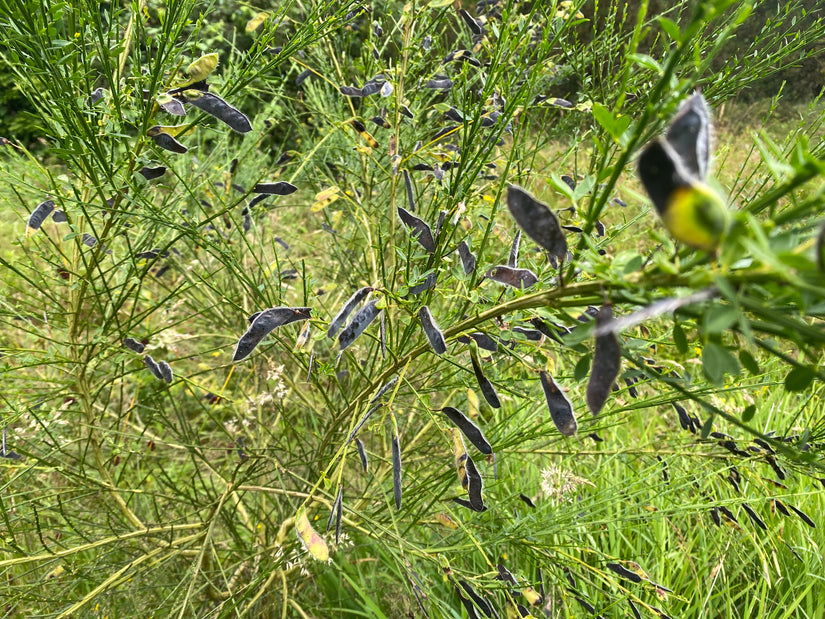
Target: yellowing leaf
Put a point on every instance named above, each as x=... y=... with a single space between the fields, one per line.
x=253 y=24
x=313 y=542
x=364 y=150
x=440 y=4
x=324 y=198
x=445 y=520
x=530 y=595
x=472 y=404
x=202 y=67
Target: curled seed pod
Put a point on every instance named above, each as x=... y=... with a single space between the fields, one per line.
x=152 y=173
x=39 y=214
x=527 y=500
x=467 y=504
x=754 y=517
x=153 y=367
x=396 y=471
x=469 y=429
x=517 y=278
x=537 y=220
x=624 y=572
x=220 y=109
x=468 y=260
x=381 y=122
x=166 y=141
x=636 y=613
x=505 y=575
x=309 y=537
x=431 y=330
x=474 y=485
x=347 y=309
x=513 y=261
x=561 y=411
x=165 y=371
x=362 y=453
x=410 y=191
x=607 y=361
x=281 y=188
x=264 y=322
x=133 y=345
x=484 y=384
x=420 y=230
x=359 y=322
x=257 y=200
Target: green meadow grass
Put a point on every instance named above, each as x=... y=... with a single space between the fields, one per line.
x=135 y=497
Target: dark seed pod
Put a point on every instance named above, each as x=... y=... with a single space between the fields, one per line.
x=396 y=471
x=337 y=322
x=410 y=191
x=429 y=282
x=474 y=485
x=636 y=613
x=689 y=135
x=754 y=517
x=481 y=339
x=152 y=173
x=59 y=217
x=364 y=420
x=563 y=103
x=780 y=507
x=166 y=141
x=467 y=504
x=133 y=345
x=468 y=260
x=215 y=106
x=302 y=77
x=483 y=604
x=624 y=572
x=431 y=330
x=527 y=500
x=607 y=361
x=513 y=261
x=169 y=104
x=263 y=324
x=561 y=411
x=727 y=514
x=467 y=603
x=381 y=122
x=531 y=334
x=351 y=91
x=382 y=334
x=281 y=188
x=389 y=385
x=96 y=95
x=586 y=605
x=600 y=229
x=595 y=437
x=153 y=367
x=165 y=371
x=505 y=575
x=684 y=419
x=362 y=453
x=569 y=181
x=484 y=384
x=39 y=214
x=420 y=230
x=335 y=506
x=516 y=278
x=443 y=84
x=472 y=23
x=469 y=429
x=537 y=220
x=422 y=167
x=359 y=322
x=805 y=517
x=780 y=473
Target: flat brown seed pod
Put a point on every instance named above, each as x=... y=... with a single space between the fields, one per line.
x=484 y=384
x=516 y=278
x=263 y=324
x=215 y=106
x=420 y=230
x=359 y=322
x=431 y=330
x=607 y=361
x=337 y=322
x=281 y=188
x=537 y=220
x=39 y=214
x=396 y=471
x=468 y=260
x=469 y=429
x=561 y=411
x=474 y=485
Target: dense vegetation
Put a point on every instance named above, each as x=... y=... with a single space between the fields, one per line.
x=183 y=392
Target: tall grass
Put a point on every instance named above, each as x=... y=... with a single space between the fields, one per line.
x=138 y=496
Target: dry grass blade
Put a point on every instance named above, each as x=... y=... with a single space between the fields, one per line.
x=263 y=324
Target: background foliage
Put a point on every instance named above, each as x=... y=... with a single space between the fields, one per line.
x=134 y=496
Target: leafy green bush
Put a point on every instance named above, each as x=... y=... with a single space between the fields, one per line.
x=178 y=404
